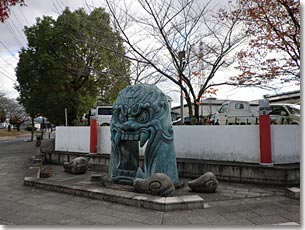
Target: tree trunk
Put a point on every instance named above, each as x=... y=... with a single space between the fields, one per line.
x=190 y=106
x=196 y=108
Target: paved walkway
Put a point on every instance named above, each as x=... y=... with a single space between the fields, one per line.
x=24 y=205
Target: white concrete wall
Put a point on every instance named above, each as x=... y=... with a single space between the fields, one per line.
x=285 y=143
x=226 y=143
x=103 y=141
x=72 y=139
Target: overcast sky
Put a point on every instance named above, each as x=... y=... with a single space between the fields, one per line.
x=12 y=39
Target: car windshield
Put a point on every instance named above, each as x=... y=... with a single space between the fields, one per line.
x=293 y=110
x=223 y=108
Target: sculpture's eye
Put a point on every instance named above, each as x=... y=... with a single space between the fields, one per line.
x=122 y=118
x=143 y=117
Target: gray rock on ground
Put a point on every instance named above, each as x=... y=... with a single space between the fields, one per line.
x=79 y=165
x=206 y=183
x=159 y=184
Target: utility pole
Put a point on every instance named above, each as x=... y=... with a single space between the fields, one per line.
x=66 y=117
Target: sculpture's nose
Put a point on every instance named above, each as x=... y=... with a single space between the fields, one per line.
x=129 y=126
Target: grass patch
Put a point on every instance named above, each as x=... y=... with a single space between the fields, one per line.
x=12 y=133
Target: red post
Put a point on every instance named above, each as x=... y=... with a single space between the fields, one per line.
x=93 y=135
x=265 y=139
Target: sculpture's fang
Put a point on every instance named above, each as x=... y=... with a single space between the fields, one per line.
x=117 y=138
x=144 y=136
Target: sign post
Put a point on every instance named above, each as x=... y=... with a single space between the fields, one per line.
x=93 y=134
x=265 y=134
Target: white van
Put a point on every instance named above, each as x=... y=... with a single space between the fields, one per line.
x=235 y=112
x=103 y=114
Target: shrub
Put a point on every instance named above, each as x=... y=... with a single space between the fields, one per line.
x=29 y=128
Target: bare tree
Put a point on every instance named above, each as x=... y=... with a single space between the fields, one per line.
x=18 y=114
x=183 y=41
x=13 y=110
x=273 y=53
x=2 y=106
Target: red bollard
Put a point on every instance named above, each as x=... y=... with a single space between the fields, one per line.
x=93 y=135
x=265 y=139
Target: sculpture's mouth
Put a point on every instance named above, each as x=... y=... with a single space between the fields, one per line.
x=127 y=145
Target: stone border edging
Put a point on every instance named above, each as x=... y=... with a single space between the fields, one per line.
x=122 y=197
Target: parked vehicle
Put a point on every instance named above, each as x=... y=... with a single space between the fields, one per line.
x=239 y=113
x=103 y=114
x=285 y=114
x=235 y=112
x=187 y=121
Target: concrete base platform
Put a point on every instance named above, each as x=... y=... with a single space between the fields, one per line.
x=82 y=185
x=288 y=174
x=182 y=198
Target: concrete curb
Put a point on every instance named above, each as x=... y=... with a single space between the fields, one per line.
x=293 y=192
x=122 y=197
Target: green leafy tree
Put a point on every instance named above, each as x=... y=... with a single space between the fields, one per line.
x=68 y=63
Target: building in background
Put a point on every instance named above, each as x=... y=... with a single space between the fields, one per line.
x=292 y=97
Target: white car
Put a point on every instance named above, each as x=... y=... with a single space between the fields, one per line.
x=103 y=114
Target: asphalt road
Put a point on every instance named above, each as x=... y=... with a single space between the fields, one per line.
x=23 y=205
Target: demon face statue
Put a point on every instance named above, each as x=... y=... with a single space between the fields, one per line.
x=141 y=117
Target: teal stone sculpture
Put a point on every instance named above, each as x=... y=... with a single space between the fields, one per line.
x=141 y=116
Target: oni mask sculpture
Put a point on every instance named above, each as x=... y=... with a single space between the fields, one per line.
x=141 y=116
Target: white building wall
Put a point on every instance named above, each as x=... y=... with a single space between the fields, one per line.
x=224 y=143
